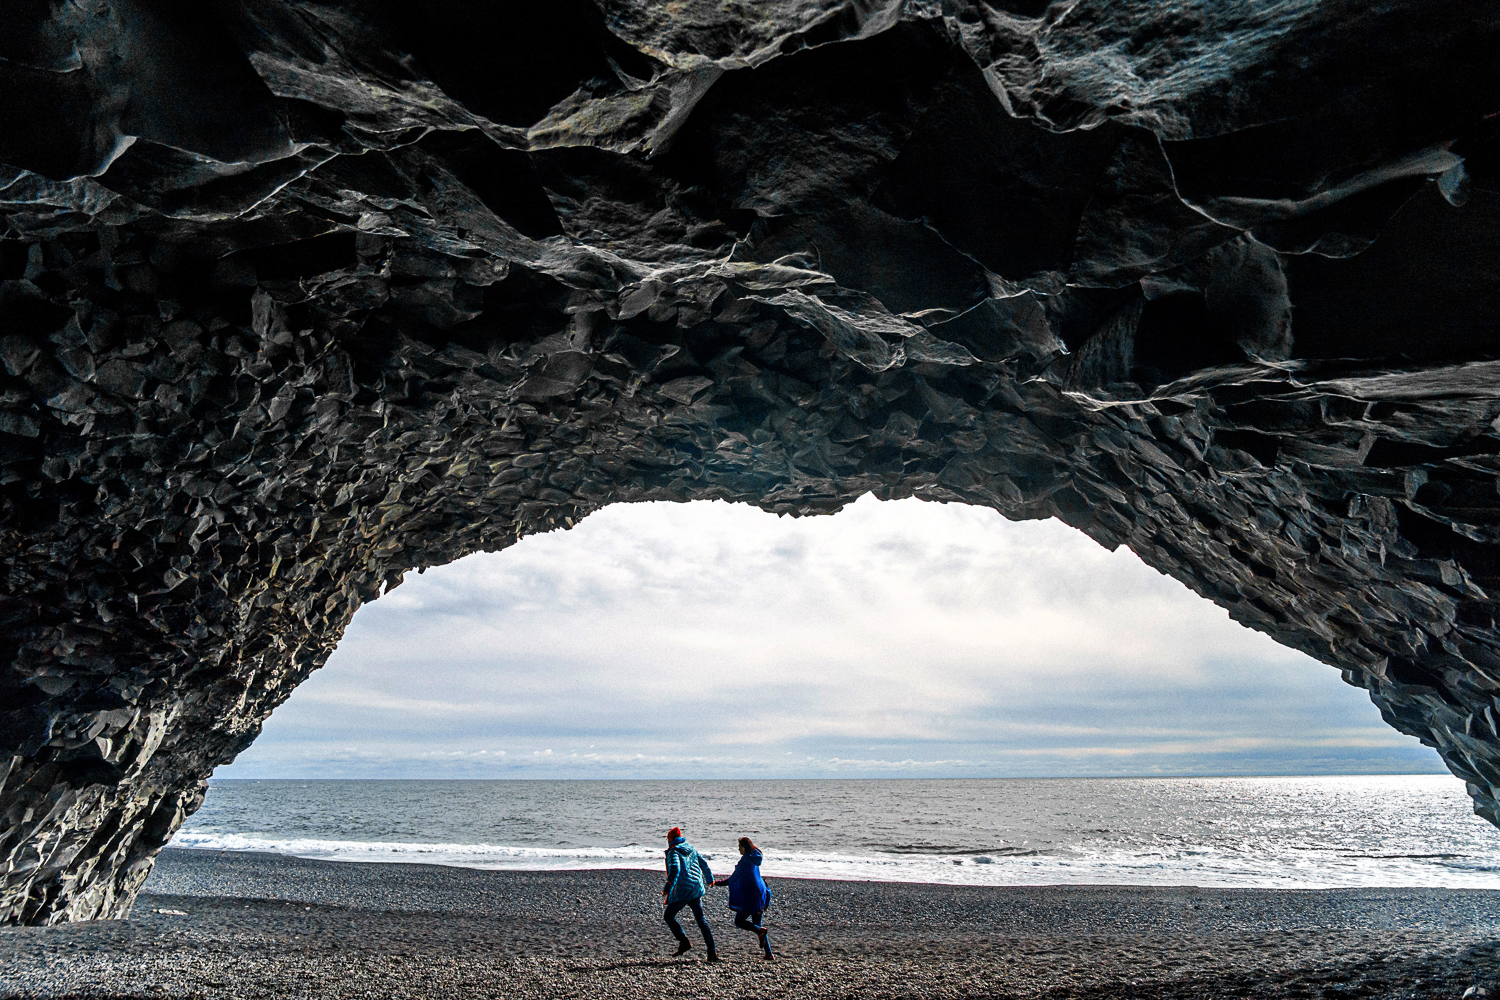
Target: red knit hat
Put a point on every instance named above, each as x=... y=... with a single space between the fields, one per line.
x=675 y=832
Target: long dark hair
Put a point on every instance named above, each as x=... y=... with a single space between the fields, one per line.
x=747 y=845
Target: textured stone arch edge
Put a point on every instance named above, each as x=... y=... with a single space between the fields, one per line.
x=232 y=572
x=251 y=375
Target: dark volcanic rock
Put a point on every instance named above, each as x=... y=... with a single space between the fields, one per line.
x=297 y=295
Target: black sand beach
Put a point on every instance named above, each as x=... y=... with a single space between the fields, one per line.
x=254 y=925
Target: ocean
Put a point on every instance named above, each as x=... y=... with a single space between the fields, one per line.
x=1274 y=832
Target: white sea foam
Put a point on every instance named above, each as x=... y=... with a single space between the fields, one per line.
x=1184 y=865
x=463 y=855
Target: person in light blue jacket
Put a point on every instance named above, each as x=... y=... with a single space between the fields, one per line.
x=748 y=894
x=688 y=879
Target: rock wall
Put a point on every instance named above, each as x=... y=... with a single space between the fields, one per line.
x=296 y=296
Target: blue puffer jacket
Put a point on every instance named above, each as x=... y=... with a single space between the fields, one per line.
x=688 y=874
x=747 y=890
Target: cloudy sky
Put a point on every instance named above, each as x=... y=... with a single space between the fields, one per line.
x=893 y=639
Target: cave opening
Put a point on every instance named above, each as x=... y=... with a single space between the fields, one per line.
x=894 y=639
x=346 y=289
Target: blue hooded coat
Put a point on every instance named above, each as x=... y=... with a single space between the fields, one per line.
x=688 y=874
x=747 y=890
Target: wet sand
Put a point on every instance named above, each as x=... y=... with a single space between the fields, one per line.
x=218 y=924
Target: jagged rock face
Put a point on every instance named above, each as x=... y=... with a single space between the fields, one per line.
x=297 y=295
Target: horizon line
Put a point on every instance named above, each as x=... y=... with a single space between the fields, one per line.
x=1004 y=777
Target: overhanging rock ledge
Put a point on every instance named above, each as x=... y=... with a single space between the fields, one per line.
x=295 y=296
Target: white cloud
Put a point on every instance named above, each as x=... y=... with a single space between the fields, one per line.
x=684 y=638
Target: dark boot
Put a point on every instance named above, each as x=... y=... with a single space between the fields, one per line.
x=713 y=956
x=683 y=947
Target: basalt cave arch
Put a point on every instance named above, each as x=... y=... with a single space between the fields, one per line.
x=296 y=295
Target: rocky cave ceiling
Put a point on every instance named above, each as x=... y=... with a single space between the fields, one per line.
x=297 y=295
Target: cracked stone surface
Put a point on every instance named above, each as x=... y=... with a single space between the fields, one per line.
x=296 y=296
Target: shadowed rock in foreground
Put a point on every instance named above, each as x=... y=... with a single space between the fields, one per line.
x=296 y=296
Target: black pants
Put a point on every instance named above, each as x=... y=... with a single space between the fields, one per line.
x=670 y=916
x=748 y=921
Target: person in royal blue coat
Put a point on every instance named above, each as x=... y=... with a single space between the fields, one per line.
x=748 y=894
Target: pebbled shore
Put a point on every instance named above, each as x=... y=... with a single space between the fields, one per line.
x=258 y=925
